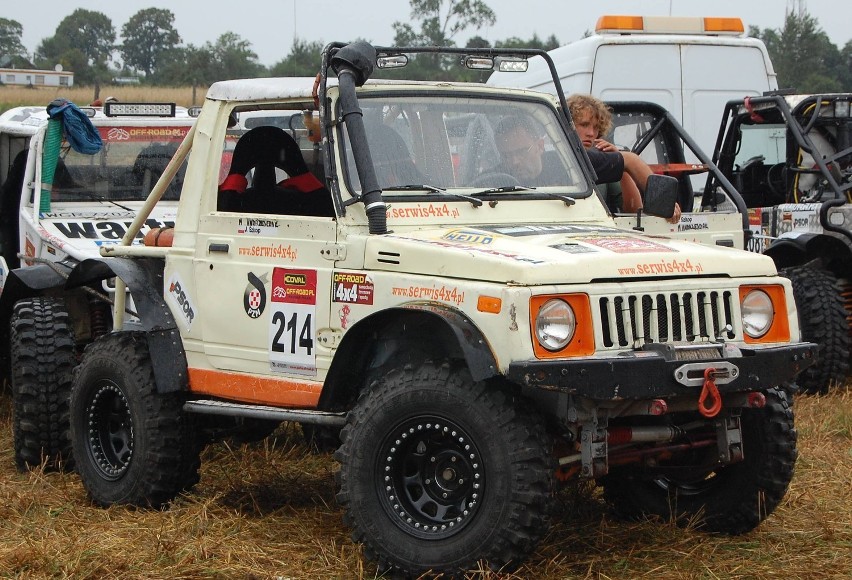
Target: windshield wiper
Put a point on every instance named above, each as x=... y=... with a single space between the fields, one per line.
x=99 y=197
x=504 y=189
x=569 y=201
x=431 y=188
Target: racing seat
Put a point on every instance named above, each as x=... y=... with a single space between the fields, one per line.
x=253 y=185
x=149 y=166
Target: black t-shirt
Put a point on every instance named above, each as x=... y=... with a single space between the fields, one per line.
x=609 y=165
x=552 y=171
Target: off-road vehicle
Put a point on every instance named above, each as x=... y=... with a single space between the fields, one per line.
x=59 y=206
x=473 y=340
x=791 y=158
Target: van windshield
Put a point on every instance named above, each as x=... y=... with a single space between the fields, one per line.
x=472 y=143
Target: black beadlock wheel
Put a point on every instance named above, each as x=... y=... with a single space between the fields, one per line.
x=132 y=444
x=439 y=472
x=823 y=320
x=43 y=356
x=433 y=477
x=731 y=499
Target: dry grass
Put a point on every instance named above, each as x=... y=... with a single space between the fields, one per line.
x=268 y=511
x=19 y=96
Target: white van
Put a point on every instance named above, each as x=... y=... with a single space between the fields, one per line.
x=691 y=66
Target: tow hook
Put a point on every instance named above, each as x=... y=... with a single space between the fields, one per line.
x=710 y=401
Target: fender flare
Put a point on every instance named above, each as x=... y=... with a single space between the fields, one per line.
x=340 y=384
x=32 y=281
x=480 y=359
x=144 y=279
x=805 y=247
x=797 y=245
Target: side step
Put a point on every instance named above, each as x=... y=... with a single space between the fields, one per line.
x=263 y=412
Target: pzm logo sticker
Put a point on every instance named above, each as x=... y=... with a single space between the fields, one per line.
x=177 y=292
x=254 y=298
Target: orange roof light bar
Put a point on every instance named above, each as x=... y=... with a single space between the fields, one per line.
x=710 y=26
x=611 y=23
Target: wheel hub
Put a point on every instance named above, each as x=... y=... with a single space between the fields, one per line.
x=110 y=431
x=433 y=477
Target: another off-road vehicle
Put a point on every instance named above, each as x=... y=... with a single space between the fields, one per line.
x=791 y=158
x=59 y=206
x=471 y=339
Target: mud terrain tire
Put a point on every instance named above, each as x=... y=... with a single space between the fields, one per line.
x=43 y=357
x=822 y=317
x=132 y=444
x=732 y=499
x=439 y=472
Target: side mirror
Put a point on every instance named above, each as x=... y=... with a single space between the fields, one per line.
x=661 y=194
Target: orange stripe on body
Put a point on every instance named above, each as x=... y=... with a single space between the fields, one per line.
x=254 y=389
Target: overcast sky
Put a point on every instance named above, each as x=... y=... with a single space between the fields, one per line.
x=270 y=25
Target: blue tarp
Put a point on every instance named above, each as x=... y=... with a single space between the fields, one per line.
x=76 y=126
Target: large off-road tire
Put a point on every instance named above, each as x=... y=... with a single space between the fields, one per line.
x=132 y=445
x=822 y=317
x=439 y=472
x=732 y=499
x=43 y=357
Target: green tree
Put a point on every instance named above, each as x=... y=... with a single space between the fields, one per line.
x=189 y=64
x=440 y=22
x=802 y=54
x=233 y=58
x=83 y=33
x=845 y=72
x=149 y=36
x=12 y=51
x=303 y=60
x=549 y=43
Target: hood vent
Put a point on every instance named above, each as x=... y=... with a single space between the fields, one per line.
x=388 y=258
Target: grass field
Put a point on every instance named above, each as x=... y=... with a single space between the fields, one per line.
x=268 y=511
x=19 y=96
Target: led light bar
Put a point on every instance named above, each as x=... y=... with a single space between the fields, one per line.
x=139 y=109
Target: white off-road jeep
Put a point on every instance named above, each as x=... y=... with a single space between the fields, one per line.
x=58 y=207
x=472 y=338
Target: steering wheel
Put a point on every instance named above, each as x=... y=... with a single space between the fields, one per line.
x=776 y=182
x=495 y=179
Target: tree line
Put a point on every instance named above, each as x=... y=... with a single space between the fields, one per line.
x=151 y=49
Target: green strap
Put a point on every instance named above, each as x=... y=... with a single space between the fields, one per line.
x=52 y=143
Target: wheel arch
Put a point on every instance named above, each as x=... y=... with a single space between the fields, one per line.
x=144 y=279
x=431 y=330
x=835 y=254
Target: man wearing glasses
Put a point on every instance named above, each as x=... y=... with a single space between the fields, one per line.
x=523 y=156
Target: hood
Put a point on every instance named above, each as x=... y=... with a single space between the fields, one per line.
x=555 y=254
x=81 y=231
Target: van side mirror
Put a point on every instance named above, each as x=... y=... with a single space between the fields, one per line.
x=661 y=194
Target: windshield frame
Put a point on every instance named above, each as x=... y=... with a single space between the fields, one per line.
x=558 y=135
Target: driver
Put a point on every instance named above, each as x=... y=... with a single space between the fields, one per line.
x=523 y=155
x=522 y=152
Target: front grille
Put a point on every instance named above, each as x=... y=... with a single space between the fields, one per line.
x=636 y=319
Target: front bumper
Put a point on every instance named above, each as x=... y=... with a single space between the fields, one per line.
x=666 y=371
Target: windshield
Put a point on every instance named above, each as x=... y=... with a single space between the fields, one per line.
x=125 y=169
x=466 y=142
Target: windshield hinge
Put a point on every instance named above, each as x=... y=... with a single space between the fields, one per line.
x=329 y=338
x=333 y=252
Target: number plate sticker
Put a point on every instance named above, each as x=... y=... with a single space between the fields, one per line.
x=292 y=329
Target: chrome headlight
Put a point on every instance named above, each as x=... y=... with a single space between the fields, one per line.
x=555 y=324
x=758 y=313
